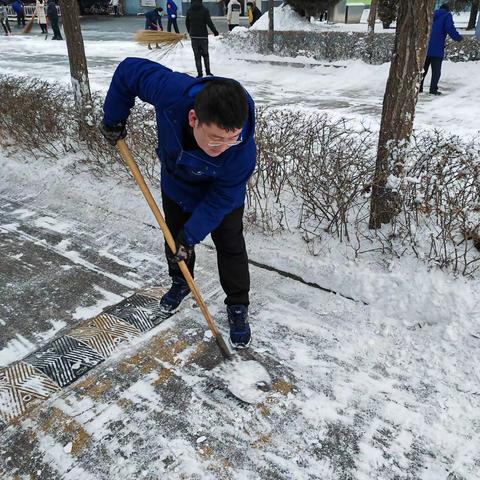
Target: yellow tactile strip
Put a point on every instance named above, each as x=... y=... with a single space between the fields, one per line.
x=69 y=357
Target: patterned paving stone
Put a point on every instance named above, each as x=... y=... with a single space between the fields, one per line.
x=143 y=312
x=105 y=333
x=20 y=384
x=64 y=360
x=154 y=292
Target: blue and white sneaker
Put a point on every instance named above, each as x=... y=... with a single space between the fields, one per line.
x=174 y=297
x=240 y=334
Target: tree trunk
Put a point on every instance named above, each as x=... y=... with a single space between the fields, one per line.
x=414 y=24
x=270 y=25
x=372 y=17
x=472 y=21
x=76 y=53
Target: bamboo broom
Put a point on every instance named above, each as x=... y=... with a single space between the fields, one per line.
x=29 y=25
x=159 y=36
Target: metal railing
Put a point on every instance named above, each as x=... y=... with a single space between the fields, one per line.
x=29 y=11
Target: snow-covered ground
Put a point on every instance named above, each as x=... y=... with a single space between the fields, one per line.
x=397 y=380
x=353 y=90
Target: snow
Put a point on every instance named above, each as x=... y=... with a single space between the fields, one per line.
x=284 y=18
x=404 y=361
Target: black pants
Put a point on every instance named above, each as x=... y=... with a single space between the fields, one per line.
x=436 y=64
x=6 y=26
x=43 y=26
x=21 y=19
x=232 y=256
x=172 y=21
x=56 y=30
x=200 y=50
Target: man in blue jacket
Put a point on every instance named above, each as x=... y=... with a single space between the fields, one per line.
x=442 y=26
x=172 y=16
x=207 y=152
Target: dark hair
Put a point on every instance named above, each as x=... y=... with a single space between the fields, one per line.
x=250 y=3
x=223 y=103
x=445 y=6
x=159 y=9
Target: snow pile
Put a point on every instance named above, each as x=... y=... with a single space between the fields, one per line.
x=285 y=18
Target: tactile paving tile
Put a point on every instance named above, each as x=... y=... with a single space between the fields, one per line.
x=143 y=312
x=64 y=360
x=104 y=333
x=154 y=292
x=19 y=385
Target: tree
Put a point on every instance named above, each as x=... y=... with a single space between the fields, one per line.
x=311 y=8
x=414 y=24
x=472 y=21
x=76 y=53
x=372 y=16
x=387 y=11
x=270 y=33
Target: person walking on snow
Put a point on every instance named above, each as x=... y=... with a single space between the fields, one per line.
x=19 y=9
x=196 y=21
x=114 y=4
x=233 y=14
x=207 y=153
x=254 y=13
x=442 y=26
x=4 y=19
x=52 y=14
x=41 y=16
x=172 y=16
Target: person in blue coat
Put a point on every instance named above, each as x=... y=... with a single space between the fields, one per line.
x=207 y=153
x=172 y=16
x=442 y=26
x=19 y=9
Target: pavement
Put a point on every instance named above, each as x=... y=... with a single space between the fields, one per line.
x=112 y=396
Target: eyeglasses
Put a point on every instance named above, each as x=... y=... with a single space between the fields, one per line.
x=228 y=144
x=220 y=144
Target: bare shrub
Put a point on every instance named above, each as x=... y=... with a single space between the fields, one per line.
x=35 y=116
x=313 y=173
x=323 y=165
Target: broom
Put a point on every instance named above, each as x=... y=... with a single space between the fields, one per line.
x=166 y=41
x=29 y=25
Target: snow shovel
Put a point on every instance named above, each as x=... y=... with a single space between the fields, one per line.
x=127 y=156
x=250 y=378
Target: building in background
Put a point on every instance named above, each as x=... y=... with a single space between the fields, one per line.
x=348 y=11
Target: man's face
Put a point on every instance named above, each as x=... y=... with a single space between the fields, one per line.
x=212 y=139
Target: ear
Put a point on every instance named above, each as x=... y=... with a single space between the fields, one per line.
x=192 y=118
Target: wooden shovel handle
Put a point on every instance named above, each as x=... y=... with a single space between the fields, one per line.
x=127 y=156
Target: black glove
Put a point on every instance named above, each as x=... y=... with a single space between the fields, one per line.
x=216 y=34
x=113 y=133
x=184 y=251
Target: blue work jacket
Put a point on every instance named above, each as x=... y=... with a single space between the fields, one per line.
x=442 y=26
x=209 y=187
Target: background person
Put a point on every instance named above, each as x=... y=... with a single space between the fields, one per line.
x=254 y=13
x=41 y=16
x=442 y=26
x=4 y=18
x=172 y=16
x=196 y=21
x=19 y=9
x=52 y=14
x=233 y=14
x=153 y=19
